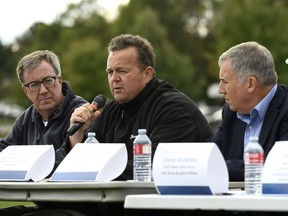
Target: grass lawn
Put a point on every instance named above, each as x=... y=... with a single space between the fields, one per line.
x=4 y=204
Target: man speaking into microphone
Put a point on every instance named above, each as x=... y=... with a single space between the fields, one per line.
x=141 y=100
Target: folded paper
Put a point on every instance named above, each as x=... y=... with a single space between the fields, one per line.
x=189 y=168
x=96 y=162
x=26 y=162
x=275 y=170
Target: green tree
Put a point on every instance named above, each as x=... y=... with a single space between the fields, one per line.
x=263 y=21
x=8 y=78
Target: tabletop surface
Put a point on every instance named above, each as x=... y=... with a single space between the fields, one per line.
x=45 y=184
x=238 y=201
x=113 y=191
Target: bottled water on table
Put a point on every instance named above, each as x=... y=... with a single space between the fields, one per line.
x=91 y=138
x=142 y=151
x=253 y=160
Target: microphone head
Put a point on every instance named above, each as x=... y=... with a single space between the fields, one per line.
x=99 y=101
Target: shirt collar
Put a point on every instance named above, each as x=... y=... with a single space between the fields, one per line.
x=261 y=107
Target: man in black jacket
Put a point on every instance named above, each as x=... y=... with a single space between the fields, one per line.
x=141 y=100
x=255 y=104
x=47 y=119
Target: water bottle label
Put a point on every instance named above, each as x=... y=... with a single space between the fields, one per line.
x=251 y=158
x=141 y=149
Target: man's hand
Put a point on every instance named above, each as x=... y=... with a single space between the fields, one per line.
x=86 y=115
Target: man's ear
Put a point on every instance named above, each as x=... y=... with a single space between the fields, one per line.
x=60 y=79
x=26 y=91
x=149 y=72
x=252 y=83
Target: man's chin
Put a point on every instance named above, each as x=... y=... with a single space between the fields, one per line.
x=46 y=107
x=231 y=107
x=120 y=99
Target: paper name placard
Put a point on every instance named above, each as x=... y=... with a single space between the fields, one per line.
x=92 y=162
x=275 y=170
x=189 y=168
x=26 y=162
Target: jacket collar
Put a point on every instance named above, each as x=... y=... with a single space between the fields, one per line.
x=272 y=111
x=132 y=106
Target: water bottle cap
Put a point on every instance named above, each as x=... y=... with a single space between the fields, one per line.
x=253 y=138
x=141 y=131
x=91 y=134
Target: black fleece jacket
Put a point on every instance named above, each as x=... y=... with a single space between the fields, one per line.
x=166 y=113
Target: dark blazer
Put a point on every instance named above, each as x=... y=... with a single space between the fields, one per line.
x=230 y=135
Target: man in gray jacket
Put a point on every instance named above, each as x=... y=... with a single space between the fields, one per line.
x=47 y=119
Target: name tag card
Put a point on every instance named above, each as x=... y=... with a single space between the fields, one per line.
x=189 y=168
x=26 y=162
x=94 y=162
x=275 y=171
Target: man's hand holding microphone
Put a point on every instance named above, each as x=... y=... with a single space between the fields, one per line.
x=83 y=117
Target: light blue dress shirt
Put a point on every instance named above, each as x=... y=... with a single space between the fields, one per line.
x=256 y=117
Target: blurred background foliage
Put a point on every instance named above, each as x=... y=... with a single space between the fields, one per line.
x=188 y=37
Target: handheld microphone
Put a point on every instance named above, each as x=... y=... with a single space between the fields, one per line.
x=98 y=102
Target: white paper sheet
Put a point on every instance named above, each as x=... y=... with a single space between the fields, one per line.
x=189 y=168
x=97 y=162
x=26 y=162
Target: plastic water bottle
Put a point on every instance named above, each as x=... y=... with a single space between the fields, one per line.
x=253 y=160
x=91 y=138
x=142 y=150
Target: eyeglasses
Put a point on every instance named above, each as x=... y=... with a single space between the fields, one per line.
x=48 y=82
